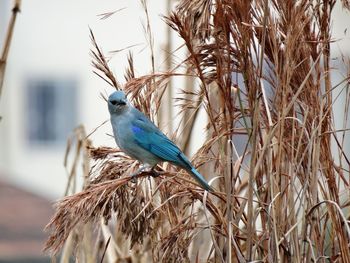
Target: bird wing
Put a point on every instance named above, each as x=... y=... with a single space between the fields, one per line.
x=149 y=137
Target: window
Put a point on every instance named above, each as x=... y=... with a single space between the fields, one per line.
x=50 y=111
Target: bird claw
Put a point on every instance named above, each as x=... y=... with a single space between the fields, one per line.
x=134 y=178
x=134 y=175
x=154 y=173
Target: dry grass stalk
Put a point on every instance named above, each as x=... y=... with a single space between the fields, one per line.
x=7 y=42
x=263 y=69
x=100 y=63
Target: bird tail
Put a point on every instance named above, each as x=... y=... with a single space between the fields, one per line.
x=200 y=179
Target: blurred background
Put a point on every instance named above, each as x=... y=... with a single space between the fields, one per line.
x=49 y=89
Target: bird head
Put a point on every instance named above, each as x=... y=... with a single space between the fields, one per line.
x=117 y=102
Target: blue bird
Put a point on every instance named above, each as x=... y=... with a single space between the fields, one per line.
x=139 y=138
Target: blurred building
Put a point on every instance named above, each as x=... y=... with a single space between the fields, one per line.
x=23 y=218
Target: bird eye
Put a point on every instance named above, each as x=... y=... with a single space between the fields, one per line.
x=114 y=102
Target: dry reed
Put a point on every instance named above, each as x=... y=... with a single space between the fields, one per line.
x=7 y=42
x=264 y=75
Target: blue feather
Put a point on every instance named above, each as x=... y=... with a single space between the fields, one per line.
x=149 y=137
x=136 y=129
x=200 y=179
x=158 y=144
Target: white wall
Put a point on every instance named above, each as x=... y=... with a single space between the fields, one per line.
x=340 y=50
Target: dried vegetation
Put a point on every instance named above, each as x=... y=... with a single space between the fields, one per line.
x=276 y=160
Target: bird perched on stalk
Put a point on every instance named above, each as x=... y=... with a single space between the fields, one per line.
x=138 y=137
